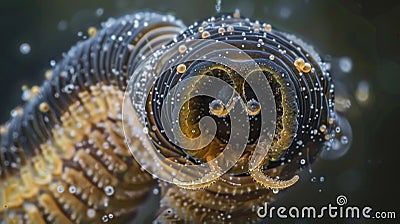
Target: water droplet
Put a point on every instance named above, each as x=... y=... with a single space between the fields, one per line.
x=217 y=107
x=105 y=218
x=218 y=6
x=345 y=64
x=344 y=140
x=26 y=94
x=52 y=63
x=362 y=92
x=253 y=107
x=285 y=12
x=25 y=48
x=109 y=190
x=99 y=12
x=60 y=189
x=322 y=128
x=62 y=25
x=340 y=141
x=91 y=213
x=155 y=191
x=72 y=189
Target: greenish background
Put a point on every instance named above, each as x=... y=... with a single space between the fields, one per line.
x=368 y=32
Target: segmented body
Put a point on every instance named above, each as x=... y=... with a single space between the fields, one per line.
x=64 y=157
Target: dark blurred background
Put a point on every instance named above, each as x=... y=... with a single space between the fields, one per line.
x=360 y=38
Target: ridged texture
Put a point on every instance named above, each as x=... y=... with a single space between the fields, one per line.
x=63 y=156
x=64 y=159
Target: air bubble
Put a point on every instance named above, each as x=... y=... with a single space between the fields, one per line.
x=52 y=63
x=217 y=107
x=345 y=64
x=302 y=161
x=72 y=189
x=285 y=12
x=25 y=48
x=60 y=189
x=218 y=6
x=155 y=191
x=340 y=141
x=91 y=213
x=362 y=92
x=104 y=218
x=275 y=191
x=253 y=107
x=322 y=128
x=99 y=12
x=344 y=140
x=62 y=25
x=109 y=190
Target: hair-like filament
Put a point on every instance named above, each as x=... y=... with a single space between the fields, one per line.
x=210 y=178
x=260 y=177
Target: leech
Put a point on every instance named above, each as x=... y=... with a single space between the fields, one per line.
x=260 y=177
